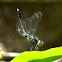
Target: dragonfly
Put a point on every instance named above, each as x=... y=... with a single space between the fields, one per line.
x=27 y=28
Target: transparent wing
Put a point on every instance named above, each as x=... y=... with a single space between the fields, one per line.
x=20 y=27
x=32 y=23
x=29 y=25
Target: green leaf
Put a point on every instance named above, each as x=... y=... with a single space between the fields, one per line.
x=39 y=56
x=1 y=53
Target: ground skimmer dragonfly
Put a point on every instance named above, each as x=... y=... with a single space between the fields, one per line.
x=27 y=28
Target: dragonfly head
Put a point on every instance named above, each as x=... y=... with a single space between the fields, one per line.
x=40 y=43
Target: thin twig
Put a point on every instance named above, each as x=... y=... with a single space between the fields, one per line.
x=9 y=56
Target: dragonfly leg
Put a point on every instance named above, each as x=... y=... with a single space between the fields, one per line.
x=35 y=48
x=31 y=48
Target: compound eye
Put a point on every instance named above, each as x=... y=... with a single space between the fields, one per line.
x=40 y=43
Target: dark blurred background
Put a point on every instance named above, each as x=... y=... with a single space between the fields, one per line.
x=49 y=29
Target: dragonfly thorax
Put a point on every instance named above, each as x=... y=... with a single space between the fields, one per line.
x=32 y=39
